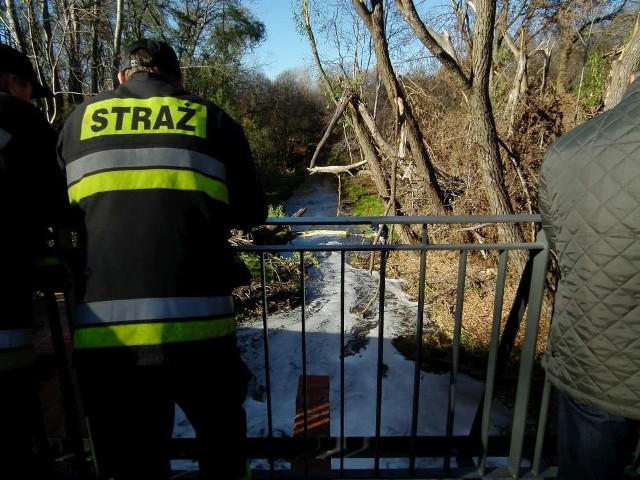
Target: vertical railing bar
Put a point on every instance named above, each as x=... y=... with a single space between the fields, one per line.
x=418 y=355
x=342 y=347
x=455 y=353
x=267 y=369
x=70 y=405
x=383 y=267
x=493 y=356
x=542 y=427
x=304 y=361
x=527 y=355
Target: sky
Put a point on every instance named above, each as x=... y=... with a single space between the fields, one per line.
x=323 y=351
x=284 y=48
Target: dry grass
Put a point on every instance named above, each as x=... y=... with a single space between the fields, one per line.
x=478 y=308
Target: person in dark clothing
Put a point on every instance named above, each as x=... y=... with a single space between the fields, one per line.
x=160 y=175
x=589 y=195
x=32 y=197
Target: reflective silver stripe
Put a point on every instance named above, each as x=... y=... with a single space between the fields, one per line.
x=4 y=138
x=122 y=311
x=20 y=337
x=145 y=158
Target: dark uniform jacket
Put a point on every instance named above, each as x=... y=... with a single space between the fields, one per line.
x=32 y=197
x=161 y=175
x=590 y=204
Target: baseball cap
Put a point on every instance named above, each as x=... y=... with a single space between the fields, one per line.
x=13 y=61
x=163 y=57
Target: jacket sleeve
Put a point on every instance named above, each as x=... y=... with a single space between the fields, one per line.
x=45 y=199
x=546 y=205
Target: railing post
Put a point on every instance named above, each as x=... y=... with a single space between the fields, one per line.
x=418 y=355
x=455 y=363
x=542 y=426
x=267 y=369
x=536 y=293
x=54 y=278
x=509 y=333
x=383 y=268
x=342 y=439
x=493 y=359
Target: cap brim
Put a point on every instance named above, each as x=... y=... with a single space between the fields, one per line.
x=40 y=91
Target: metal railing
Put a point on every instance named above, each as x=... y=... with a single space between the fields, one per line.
x=522 y=449
x=481 y=452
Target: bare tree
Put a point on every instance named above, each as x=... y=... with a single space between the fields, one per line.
x=117 y=41
x=627 y=63
x=14 y=25
x=370 y=141
x=374 y=19
x=576 y=22
x=475 y=86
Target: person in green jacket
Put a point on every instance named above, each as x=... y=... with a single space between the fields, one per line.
x=589 y=195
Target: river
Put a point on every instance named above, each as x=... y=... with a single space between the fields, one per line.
x=324 y=350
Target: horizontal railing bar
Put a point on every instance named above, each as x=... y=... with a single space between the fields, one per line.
x=396 y=474
x=362 y=447
x=402 y=474
x=391 y=247
x=420 y=220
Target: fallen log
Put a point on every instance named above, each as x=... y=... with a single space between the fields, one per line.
x=335 y=169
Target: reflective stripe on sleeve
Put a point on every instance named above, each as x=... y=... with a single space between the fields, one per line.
x=140 y=334
x=141 y=309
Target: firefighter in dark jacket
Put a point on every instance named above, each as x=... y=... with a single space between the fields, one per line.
x=31 y=191
x=160 y=175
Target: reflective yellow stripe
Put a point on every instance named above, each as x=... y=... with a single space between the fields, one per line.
x=17 y=358
x=46 y=261
x=148 y=179
x=136 y=116
x=152 y=333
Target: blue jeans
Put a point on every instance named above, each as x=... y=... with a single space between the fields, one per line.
x=592 y=444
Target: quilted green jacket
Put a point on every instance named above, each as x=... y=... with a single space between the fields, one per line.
x=590 y=203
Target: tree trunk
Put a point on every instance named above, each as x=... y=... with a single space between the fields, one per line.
x=377 y=173
x=484 y=126
x=374 y=20
x=369 y=139
x=95 y=59
x=520 y=81
x=73 y=53
x=622 y=69
x=476 y=89
x=50 y=54
x=14 y=25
